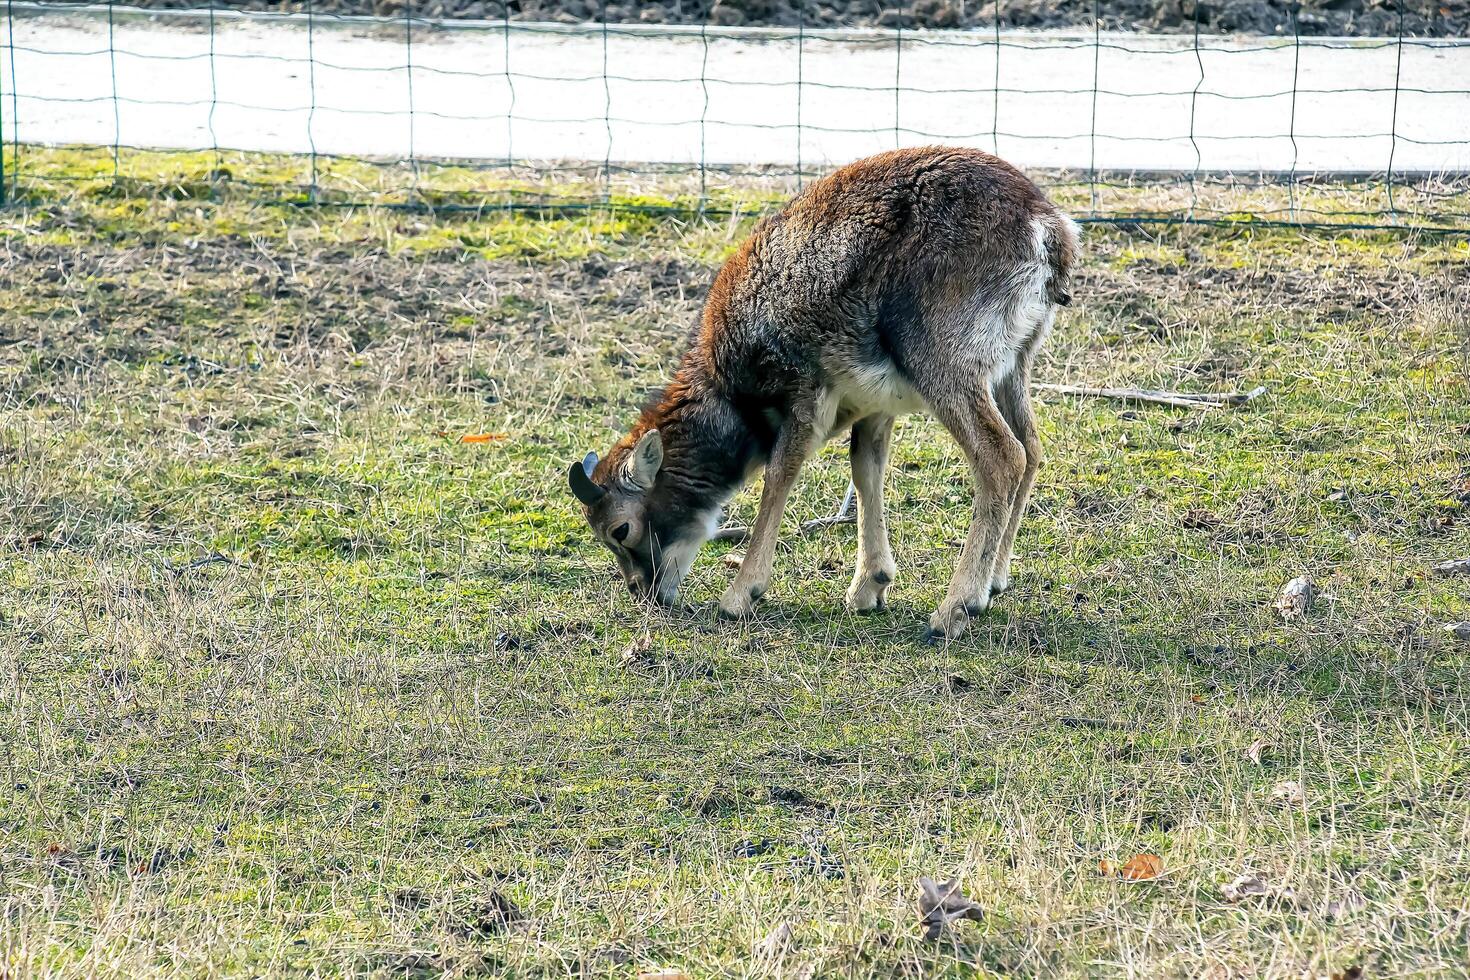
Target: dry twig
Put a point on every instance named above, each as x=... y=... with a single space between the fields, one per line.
x=1178 y=399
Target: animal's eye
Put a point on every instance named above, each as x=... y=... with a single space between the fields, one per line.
x=620 y=532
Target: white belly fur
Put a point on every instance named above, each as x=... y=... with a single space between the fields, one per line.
x=875 y=390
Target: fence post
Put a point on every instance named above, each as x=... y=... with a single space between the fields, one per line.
x=10 y=46
x=1393 y=126
x=10 y=42
x=116 y=112
x=311 y=82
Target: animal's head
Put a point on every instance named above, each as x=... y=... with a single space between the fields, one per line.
x=652 y=528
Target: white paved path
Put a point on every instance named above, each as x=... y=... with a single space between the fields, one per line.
x=58 y=87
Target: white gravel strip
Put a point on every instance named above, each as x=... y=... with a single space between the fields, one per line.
x=58 y=87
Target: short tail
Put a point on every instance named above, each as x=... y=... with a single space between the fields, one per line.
x=1061 y=253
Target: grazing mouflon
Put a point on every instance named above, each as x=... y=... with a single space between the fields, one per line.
x=915 y=280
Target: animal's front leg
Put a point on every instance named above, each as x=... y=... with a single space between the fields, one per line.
x=791 y=449
x=875 y=567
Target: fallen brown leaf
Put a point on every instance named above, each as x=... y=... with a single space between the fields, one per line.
x=734 y=559
x=483 y=437
x=637 y=652
x=1142 y=867
x=1255 y=751
x=942 y=904
x=1109 y=868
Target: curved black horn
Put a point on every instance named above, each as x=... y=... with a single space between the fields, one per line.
x=582 y=486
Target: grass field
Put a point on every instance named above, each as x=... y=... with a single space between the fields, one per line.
x=293 y=680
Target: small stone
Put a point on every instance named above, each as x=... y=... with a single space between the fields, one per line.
x=942 y=903
x=1289 y=793
x=1296 y=598
x=1243 y=887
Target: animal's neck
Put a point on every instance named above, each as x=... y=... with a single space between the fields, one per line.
x=710 y=446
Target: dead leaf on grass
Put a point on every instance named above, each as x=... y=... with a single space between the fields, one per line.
x=474 y=437
x=1142 y=867
x=1289 y=793
x=1296 y=598
x=640 y=651
x=943 y=903
x=1256 y=750
x=1107 y=867
x=734 y=558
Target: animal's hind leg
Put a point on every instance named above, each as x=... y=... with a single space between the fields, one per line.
x=875 y=570
x=1013 y=397
x=997 y=464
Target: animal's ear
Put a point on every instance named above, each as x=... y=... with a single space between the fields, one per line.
x=579 y=475
x=645 y=459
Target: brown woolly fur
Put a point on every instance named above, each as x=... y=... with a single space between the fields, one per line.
x=915 y=280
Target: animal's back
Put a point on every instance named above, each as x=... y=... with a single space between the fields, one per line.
x=883 y=261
